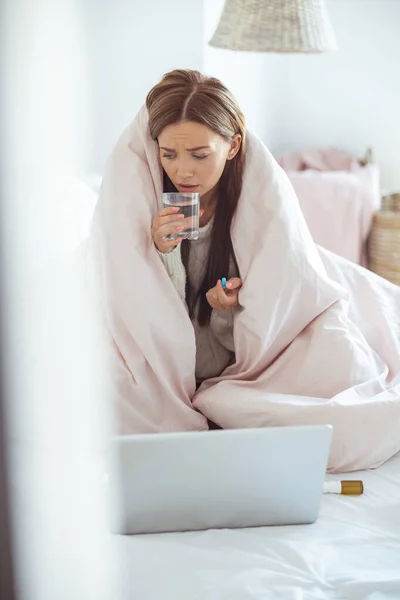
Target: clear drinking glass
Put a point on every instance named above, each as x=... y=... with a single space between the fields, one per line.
x=189 y=205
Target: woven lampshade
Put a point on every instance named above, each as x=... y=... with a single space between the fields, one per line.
x=275 y=26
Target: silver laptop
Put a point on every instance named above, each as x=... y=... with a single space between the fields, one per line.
x=216 y=479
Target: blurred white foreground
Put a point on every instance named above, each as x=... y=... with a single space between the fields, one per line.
x=56 y=425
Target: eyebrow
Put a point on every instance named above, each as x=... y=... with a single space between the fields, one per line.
x=188 y=150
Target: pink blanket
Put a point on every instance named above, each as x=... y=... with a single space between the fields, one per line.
x=317 y=338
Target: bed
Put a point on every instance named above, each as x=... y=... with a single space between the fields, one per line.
x=352 y=552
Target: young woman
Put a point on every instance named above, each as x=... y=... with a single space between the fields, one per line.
x=299 y=336
x=201 y=133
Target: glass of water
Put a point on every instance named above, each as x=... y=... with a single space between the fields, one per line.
x=189 y=205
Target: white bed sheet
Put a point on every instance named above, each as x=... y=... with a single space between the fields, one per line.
x=352 y=552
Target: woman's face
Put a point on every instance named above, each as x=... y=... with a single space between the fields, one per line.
x=193 y=156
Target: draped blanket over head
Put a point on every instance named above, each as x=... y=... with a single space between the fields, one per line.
x=317 y=339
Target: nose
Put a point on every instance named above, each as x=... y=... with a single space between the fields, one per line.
x=184 y=170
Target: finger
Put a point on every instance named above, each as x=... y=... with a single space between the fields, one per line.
x=164 y=231
x=160 y=221
x=167 y=246
x=171 y=210
x=230 y=299
x=235 y=283
x=221 y=296
x=212 y=300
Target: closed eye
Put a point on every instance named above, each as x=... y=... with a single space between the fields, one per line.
x=196 y=156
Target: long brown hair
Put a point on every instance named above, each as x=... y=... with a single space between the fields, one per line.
x=185 y=95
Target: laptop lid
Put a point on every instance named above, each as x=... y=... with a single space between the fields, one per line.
x=217 y=479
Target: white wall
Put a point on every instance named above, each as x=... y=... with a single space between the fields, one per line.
x=349 y=99
x=130 y=45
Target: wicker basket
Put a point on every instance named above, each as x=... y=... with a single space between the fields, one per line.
x=391 y=202
x=384 y=245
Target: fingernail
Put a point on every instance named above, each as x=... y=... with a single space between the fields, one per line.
x=180 y=228
x=176 y=209
x=229 y=285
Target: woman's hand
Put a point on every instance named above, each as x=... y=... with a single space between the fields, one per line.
x=220 y=299
x=164 y=224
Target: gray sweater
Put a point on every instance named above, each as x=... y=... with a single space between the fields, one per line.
x=214 y=343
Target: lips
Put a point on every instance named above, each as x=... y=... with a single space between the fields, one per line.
x=186 y=188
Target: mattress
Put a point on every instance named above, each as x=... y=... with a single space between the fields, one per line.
x=352 y=552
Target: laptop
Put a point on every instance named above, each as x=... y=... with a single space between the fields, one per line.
x=217 y=479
